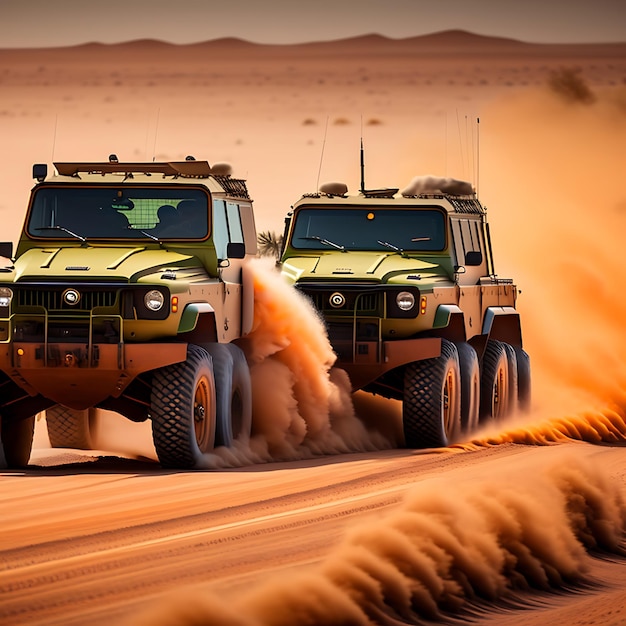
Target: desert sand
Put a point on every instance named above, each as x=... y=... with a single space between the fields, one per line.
x=323 y=519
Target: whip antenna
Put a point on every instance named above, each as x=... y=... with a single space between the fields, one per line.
x=54 y=136
x=362 y=167
x=319 y=171
x=156 y=132
x=477 y=153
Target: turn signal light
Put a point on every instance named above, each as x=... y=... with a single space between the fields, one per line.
x=174 y=304
x=423 y=305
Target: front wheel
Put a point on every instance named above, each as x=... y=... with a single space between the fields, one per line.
x=69 y=428
x=431 y=407
x=183 y=410
x=16 y=437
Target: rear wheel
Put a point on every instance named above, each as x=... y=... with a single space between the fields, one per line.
x=70 y=428
x=523 y=379
x=183 y=410
x=511 y=357
x=233 y=391
x=431 y=408
x=470 y=387
x=494 y=382
x=16 y=437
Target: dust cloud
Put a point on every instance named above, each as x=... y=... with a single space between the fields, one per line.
x=444 y=547
x=302 y=406
x=558 y=214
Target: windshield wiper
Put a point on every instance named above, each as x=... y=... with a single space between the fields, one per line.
x=326 y=242
x=65 y=230
x=153 y=237
x=400 y=251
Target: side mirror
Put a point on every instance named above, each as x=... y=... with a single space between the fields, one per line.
x=6 y=249
x=236 y=250
x=459 y=269
x=473 y=258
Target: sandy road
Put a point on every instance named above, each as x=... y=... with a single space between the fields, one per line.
x=92 y=542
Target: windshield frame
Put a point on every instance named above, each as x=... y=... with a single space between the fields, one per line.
x=118 y=193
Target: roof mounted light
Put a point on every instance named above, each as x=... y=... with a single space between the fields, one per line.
x=40 y=171
x=113 y=158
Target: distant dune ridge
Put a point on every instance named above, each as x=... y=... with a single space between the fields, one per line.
x=449 y=42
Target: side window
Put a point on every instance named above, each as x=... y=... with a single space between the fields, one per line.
x=227 y=226
x=459 y=247
x=220 y=228
x=234 y=223
x=468 y=237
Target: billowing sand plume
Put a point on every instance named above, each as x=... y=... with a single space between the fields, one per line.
x=446 y=546
x=558 y=222
x=301 y=405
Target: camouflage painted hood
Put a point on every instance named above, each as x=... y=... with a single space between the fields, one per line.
x=368 y=266
x=95 y=263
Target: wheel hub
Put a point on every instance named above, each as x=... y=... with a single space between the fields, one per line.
x=199 y=413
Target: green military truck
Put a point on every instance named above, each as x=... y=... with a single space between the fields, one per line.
x=128 y=292
x=406 y=285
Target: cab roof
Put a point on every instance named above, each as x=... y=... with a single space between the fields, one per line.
x=217 y=178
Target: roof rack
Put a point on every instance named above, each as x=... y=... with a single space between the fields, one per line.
x=192 y=169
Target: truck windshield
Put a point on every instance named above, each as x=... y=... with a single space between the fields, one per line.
x=86 y=213
x=370 y=229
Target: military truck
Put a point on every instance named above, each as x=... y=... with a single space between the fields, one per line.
x=128 y=292
x=406 y=284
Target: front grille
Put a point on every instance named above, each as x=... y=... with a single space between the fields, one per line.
x=356 y=303
x=52 y=299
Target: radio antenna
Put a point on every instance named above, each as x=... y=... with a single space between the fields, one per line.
x=319 y=171
x=156 y=131
x=54 y=136
x=477 y=153
x=362 y=167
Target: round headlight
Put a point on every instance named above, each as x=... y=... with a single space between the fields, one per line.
x=154 y=300
x=5 y=296
x=405 y=301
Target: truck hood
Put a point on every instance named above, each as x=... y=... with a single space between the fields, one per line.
x=122 y=263
x=360 y=266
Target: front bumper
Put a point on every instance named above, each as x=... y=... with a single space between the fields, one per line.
x=82 y=375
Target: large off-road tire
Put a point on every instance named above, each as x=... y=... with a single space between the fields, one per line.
x=511 y=357
x=69 y=428
x=16 y=437
x=470 y=387
x=183 y=410
x=233 y=390
x=523 y=379
x=431 y=407
x=494 y=382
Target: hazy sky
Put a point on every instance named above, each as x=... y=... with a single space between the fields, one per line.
x=37 y=23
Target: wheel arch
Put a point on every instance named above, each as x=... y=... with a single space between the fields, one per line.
x=503 y=323
x=197 y=323
x=450 y=323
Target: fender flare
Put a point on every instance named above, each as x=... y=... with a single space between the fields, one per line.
x=191 y=314
x=450 y=316
x=503 y=323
